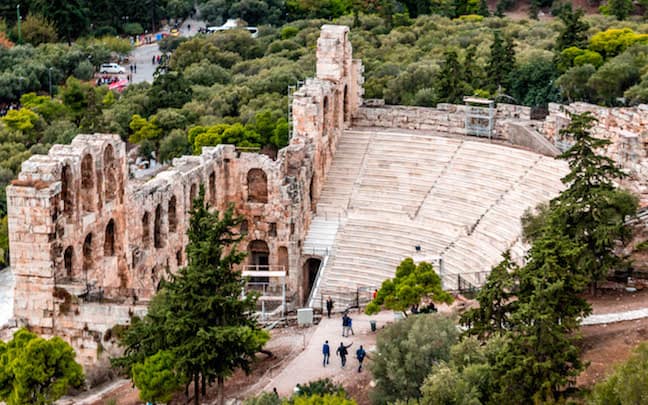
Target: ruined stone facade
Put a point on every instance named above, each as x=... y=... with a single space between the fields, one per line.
x=83 y=230
x=90 y=242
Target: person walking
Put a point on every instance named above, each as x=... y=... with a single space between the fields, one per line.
x=360 y=355
x=345 y=325
x=326 y=351
x=350 y=326
x=135 y=67
x=342 y=352
x=329 y=306
x=153 y=60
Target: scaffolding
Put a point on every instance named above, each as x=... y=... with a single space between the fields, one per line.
x=480 y=115
x=269 y=282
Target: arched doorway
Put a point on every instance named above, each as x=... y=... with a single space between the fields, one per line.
x=87 y=183
x=309 y=276
x=158 y=237
x=109 y=239
x=259 y=259
x=110 y=173
x=88 y=259
x=66 y=190
x=68 y=258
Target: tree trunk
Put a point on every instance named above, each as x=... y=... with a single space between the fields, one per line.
x=187 y=391
x=203 y=387
x=221 y=390
x=196 y=391
x=266 y=352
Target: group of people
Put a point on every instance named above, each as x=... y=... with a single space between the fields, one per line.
x=157 y=59
x=6 y=107
x=105 y=79
x=342 y=352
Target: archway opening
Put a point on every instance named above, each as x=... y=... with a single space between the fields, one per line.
x=68 y=261
x=66 y=190
x=110 y=173
x=259 y=259
x=212 y=188
x=193 y=192
x=109 y=239
x=311 y=267
x=87 y=183
x=88 y=259
x=345 y=104
x=173 y=220
x=257 y=182
x=158 y=238
x=146 y=230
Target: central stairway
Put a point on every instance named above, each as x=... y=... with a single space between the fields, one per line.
x=457 y=198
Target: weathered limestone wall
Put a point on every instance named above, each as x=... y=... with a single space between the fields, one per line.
x=626 y=128
x=89 y=243
x=445 y=118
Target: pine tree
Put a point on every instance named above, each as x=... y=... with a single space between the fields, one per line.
x=620 y=8
x=199 y=315
x=450 y=80
x=574 y=32
x=483 y=9
x=501 y=62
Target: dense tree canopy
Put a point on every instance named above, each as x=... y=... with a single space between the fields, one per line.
x=37 y=371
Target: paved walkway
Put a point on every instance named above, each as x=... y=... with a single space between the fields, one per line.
x=307 y=366
x=616 y=317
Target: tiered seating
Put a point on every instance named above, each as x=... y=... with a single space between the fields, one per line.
x=343 y=172
x=458 y=198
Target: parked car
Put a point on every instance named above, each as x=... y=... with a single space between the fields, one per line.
x=111 y=68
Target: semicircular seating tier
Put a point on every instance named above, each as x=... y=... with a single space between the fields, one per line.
x=458 y=198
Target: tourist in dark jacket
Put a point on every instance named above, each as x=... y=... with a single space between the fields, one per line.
x=342 y=352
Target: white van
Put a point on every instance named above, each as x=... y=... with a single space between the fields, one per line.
x=111 y=68
x=231 y=24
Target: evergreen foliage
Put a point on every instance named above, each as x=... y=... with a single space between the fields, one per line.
x=412 y=284
x=199 y=315
x=628 y=384
x=37 y=371
x=574 y=32
x=406 y=353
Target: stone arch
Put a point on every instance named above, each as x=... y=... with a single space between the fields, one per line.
x=88 y=258
x=312 y=194
x=110 y=173
x=212 y=188
x=158 y=237
x=257 y=182
x=259 y=259
x=345 y=104
x=68 y=261
x=193 y=192
x=309 y=276
x=146 y=229
x=66 y=190
x=282 y=258
x=87 y=183
x=172 y=214
x=109 y=239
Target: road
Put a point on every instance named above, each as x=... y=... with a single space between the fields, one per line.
x=142 y=55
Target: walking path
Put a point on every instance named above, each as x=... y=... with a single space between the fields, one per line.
x=615 y=317
x=307 y=366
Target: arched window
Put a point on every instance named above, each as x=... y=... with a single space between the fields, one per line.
x=212 y=188
x=259 y=258
x=257 y=182
x=110 y=173
x=146 y=230
x=345 y=104
x=68 y=261
x=87 y=183
x=173 y=221
x=109 y=239
x=66 y=190
x=158 y=238
x=88 y=259
x=193 y=192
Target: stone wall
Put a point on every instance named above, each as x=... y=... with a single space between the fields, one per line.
x=84 y=230
x=626 y=128
x=445 y=118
